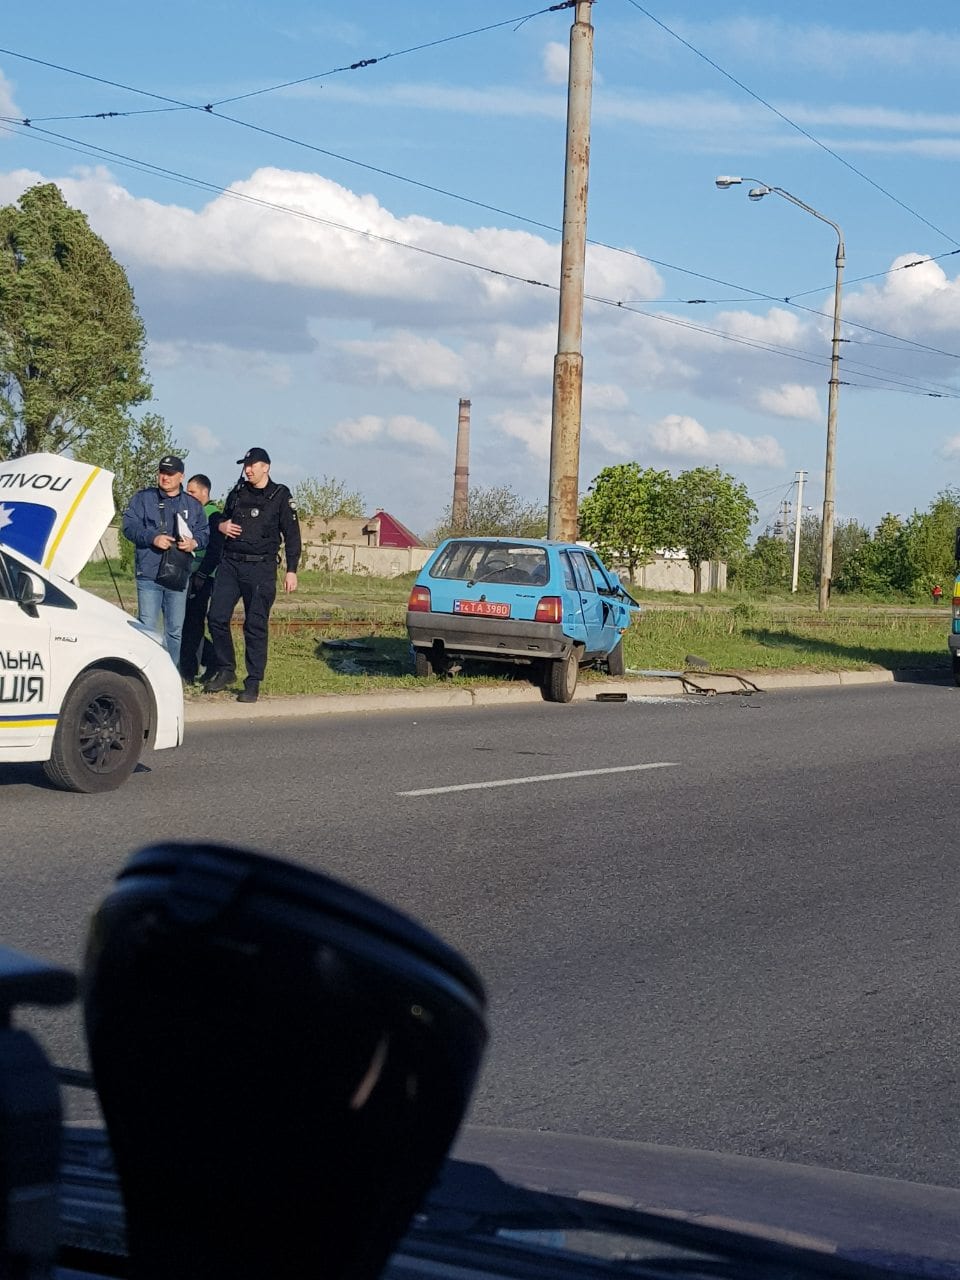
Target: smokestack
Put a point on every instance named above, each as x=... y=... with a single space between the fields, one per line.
x=461 y=470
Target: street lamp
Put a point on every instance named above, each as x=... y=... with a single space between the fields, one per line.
x=826 y=528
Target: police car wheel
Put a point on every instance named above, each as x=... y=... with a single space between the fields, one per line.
x=616 y=665
x=561 y=678
x=99 y=734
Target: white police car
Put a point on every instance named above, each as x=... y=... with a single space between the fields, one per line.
x=83 y=687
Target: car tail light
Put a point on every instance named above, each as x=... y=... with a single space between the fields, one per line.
x=549 y=609
x=419 y=601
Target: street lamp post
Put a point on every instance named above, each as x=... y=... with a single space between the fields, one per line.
x=826 y=528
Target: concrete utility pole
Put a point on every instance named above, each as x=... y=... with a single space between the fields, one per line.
x=461 y=471
x=796 y=531
x=568 y=364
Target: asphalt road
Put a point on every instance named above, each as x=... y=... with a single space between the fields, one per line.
x=749 y=949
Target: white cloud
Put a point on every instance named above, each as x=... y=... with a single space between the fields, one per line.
x=556 y=57
x=677 y=436
x=400 y=429
x=789 y=400
x=203 y=439
x=423 y=364
x=530 y=426
x=219 y=357
x=7 y=105
x=950 y=448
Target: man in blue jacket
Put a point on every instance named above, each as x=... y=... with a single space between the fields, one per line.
x=163 y=516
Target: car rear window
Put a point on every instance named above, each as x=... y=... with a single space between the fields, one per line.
x=492 y=562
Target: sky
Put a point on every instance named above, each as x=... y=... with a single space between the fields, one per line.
x=333 y=255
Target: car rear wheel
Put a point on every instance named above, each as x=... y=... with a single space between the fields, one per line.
x=423 y=665
x=616 y=665
x=99 y=734
x=561 y=678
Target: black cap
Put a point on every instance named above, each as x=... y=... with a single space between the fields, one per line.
x=171 y=464
x=255 y=455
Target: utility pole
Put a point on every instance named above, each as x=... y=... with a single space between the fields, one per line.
x=829 y=482
x=568 y=363
x=796 y=531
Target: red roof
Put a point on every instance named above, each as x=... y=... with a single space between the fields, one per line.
x=393 y=533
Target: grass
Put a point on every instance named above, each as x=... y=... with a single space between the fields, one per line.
x=729 y=631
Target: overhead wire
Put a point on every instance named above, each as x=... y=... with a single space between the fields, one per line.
x=64 y=142
x=31 y=122
x=792 y=123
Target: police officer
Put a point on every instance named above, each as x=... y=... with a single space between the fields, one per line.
x=258 y=515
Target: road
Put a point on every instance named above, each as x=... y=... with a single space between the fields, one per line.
x=750 y=948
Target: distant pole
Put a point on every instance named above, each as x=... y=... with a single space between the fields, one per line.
x=796 y=531
x=829 y=474
x=568 y=364
x=459 y=512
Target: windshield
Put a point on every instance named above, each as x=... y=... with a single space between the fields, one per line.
x=492 y=562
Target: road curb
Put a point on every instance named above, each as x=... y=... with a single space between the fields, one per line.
x=224 y=707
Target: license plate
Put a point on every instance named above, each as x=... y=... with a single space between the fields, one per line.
x=486 y=608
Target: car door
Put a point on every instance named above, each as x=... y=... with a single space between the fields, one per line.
x=25 y=684
x=591 y=603
x=616 y=613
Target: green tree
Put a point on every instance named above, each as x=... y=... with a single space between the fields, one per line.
x=767 y=566
x=711 y=517
x=929 y=541
x=627 y=514
x=848 y=537
x=495 y=512
x=881 y=565
x=327 y=498
x=71 y=338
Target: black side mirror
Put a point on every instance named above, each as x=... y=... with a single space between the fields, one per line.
x=282 y=1063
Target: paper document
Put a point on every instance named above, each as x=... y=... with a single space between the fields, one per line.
x=183 y=529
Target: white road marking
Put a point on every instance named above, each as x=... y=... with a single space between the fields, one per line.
x=539 y=777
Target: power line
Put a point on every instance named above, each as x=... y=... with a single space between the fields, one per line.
x=73 y=144
x=452 y=195
x=792 y=123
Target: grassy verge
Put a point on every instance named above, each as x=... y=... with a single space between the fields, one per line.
x=731 y=634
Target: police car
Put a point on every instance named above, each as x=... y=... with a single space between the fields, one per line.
x=83 y=687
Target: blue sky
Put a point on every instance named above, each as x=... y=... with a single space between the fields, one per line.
x=314 y=308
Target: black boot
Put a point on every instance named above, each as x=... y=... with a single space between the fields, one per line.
x=221 y=679
x=251 y=691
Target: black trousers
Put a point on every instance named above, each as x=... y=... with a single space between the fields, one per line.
x=196 y=649
x=256 y=585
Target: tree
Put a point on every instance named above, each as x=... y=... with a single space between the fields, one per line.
x=327 y=499
x=929 y=541
x=627 y=514
x=848 y=537
x=711 y=517
x=881 y=564
x=495 y=512
x=71 y=338
x=767 y=566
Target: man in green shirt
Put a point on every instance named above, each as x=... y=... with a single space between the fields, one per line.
x=196 y=647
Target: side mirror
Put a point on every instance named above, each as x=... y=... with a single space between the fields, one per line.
x=30 y=592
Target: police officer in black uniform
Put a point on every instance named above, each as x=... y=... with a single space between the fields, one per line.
x=257 y=516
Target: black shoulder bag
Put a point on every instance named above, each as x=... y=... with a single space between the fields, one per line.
x=175 y=565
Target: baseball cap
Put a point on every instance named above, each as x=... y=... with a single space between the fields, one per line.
x=255 y=455
x=170 y=463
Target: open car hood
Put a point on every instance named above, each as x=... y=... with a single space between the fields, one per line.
x=54 y=510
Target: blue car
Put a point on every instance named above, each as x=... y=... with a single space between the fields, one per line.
x=551 y=606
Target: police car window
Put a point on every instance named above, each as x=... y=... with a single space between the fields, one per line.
x=53 y=597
